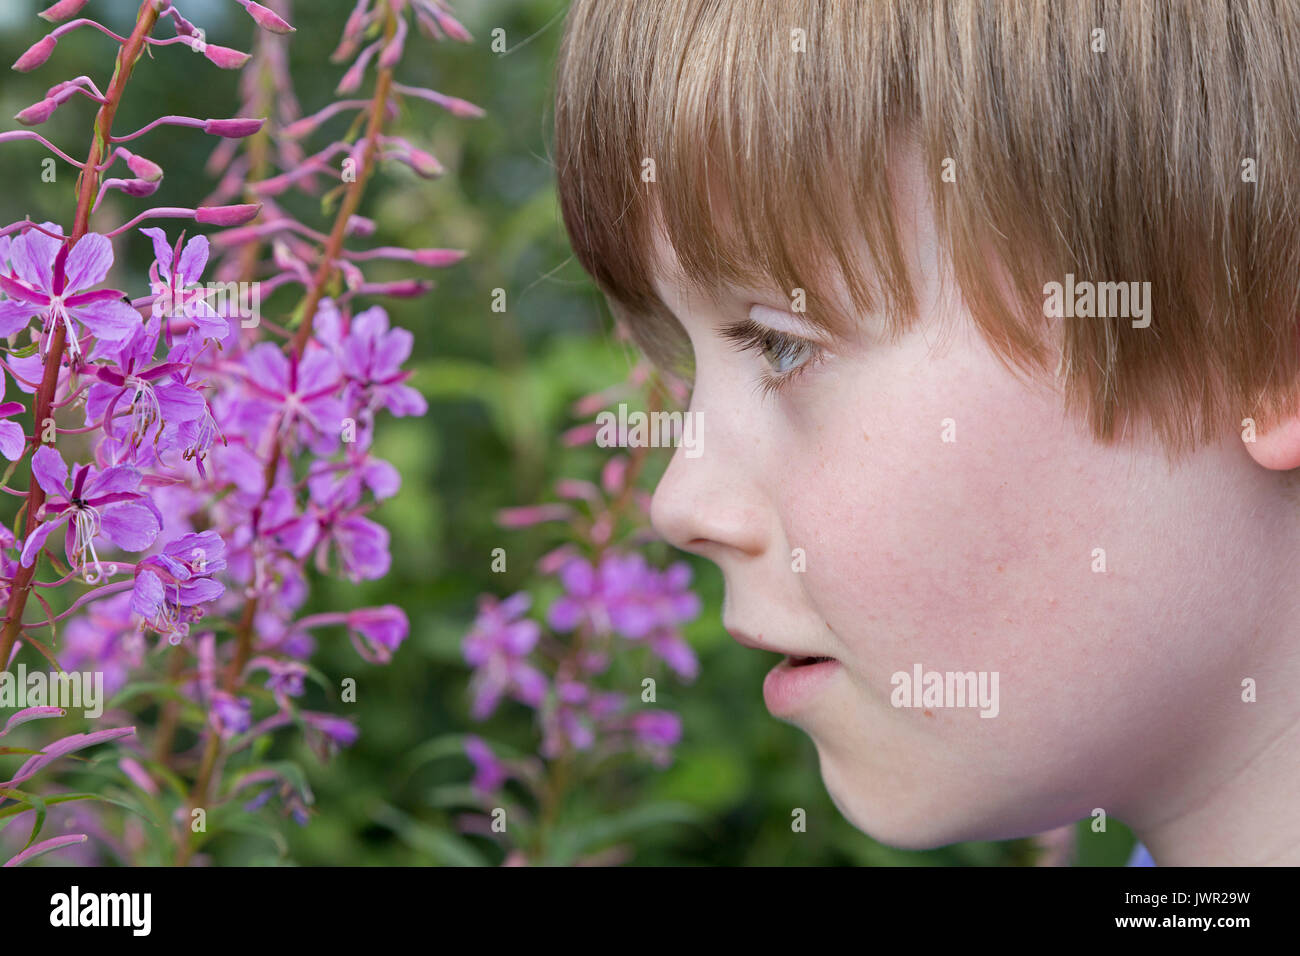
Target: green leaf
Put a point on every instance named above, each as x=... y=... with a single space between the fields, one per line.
x=452 y=795
x=39 y=822
x=250 y=825
x=567 y=843
x=447 y=745
x=156 y=688
x=446 y=848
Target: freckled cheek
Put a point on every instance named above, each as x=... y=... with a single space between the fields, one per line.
x=916 y=551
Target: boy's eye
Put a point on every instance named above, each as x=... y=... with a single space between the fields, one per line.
x=786 y=354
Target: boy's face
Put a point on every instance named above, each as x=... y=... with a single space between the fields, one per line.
x=980 y=553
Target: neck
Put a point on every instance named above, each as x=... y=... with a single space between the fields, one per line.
x=1234 y=800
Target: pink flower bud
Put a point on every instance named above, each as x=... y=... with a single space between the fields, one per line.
x=532 y=514
x=36 y=54
x=145 y=169
x=614 y=474
x=352 y=78
x=267 y=19
x=392 y=54
x=438 y=257
x=580 y=435
x=425 y=163
x=463 y=108
x=360 y=226
x=451 y=26
x=225 y=57
x=133 y=187
x=401 y=289
x=574 y=488
x=37 y=113
x=300 y=128
x=227 y=215
x=62 y=10
x=233 y=128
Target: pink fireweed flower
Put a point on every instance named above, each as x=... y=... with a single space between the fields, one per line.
x=170 y=586
x=496 y=647
x=300 y=393
x=625 y=595
x=107 y=501
x=490 y=773
x=361 y=545
x=156 y=395
x=370 y=356
x=326 y=733
x=377 y=632
x=44 y=285
x=174 y=279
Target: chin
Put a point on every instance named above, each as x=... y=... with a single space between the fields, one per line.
x=911 y=821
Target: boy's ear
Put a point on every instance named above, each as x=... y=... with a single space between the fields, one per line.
x=1279 y=447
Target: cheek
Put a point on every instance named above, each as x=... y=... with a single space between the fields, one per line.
x=928 y=501
x=978 y=554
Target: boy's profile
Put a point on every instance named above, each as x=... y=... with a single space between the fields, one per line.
x=994 y=313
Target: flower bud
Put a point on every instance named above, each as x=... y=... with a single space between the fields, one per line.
x=133 y=187
x=438 y=257
x=236 y=215
x=267 y=19
x=36 y=54
x=236 y=128
x=62 y=10
x=145 y=169
x=225 y=57
x=360 y=226
x=451 y=26
x=400 y=289
x=37 y=113
x=392 y=54
x=425 y=163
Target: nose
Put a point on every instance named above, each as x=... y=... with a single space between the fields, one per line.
x=709 y=503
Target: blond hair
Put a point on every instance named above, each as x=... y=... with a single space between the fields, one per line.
x=1116 y=141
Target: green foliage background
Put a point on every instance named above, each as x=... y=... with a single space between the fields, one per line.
x=499 y=386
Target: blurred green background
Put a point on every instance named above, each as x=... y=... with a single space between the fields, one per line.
x=499 y=386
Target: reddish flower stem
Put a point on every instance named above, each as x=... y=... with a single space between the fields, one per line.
x=331 y=253
x=87 y=188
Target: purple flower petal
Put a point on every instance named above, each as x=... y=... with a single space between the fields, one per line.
x=12 y=440
x=32 y=255
x=50 y=471
x=147 y=595
x=161 y=251
x=37 y=540
x=194 y=258
x=16 y=316
x=112 y=321
x=114 y=480
x=130 y=525
x=88 y=262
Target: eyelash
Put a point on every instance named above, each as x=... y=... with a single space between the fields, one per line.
x=749 y=335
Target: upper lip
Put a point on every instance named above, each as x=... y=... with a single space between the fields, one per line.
x=745 y=638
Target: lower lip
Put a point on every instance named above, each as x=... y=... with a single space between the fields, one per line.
x=787 y=688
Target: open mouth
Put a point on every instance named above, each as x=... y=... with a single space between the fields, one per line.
x=807 y=661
